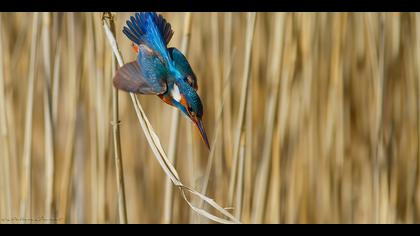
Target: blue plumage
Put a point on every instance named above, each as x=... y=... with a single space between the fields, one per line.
x=183 y=66
x=150 y=29
x=158 y=69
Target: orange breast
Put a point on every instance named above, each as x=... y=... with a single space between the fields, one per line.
x=166 y=99
x=135 y=47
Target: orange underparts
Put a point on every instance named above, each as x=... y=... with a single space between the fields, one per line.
x=166 y=99
x=135 y=47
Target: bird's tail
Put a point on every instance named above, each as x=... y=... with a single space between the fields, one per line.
x=150 y=29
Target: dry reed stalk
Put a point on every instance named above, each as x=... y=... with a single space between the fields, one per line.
x=168 y=192
x=22 y=39
x=54 y=95
x=92 y=122
x=210 y=160
x=217 y=96
x=335 y=107
x=376 y=62
x=331 y=112
x=247 y=141
x=10 y=115
x=56 y=76
x=216 y=62
x=227 y=84
x=160 y=155
x=48 y=122
x=410 y=122
x=417 y=53
x=101 y=59
x=122 y=209
x=190 y=163
x=271 y=132
x=380 y=153
x=2 y=188
x=261 y=181
x=4 y=138
x=244 y=205
x=26 y=191
x=287 y=73
x=227 y=113
x=243 y=100
x=73 y=83
x=3 y=131
x=308 y=36
x=245 y=152
x=239 y=184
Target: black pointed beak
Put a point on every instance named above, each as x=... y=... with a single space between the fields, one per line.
x=200 y=126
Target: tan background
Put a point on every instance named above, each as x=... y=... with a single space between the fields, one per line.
x=330 y=135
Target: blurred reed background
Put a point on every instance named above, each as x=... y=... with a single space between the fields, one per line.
x=327 y=130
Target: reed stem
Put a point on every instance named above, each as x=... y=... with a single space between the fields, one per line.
x=25 y=204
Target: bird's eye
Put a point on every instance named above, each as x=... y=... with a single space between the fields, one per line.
x=191 y=112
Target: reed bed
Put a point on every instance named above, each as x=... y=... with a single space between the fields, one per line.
x=311 y=117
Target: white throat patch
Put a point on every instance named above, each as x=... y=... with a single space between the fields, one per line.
x=175 y=93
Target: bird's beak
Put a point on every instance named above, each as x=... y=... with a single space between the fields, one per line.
x=200 y=126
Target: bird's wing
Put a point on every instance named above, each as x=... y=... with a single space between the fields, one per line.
x=164 y=27
x=150 y=29
x=132 y=78
x=181 y=63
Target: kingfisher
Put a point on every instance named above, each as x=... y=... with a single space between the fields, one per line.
x=160 y=70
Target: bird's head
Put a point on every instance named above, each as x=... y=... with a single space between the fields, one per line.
x=188 y=101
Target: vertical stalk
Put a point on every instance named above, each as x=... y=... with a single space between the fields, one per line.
x=122 y=209
x=274 y=83
x=244 y=92
x=48 y=126
x=71 y=105
x=92 y=122
x=227 y=111
x=25 y=204
x=4 y=136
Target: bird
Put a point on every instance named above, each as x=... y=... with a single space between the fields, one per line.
x=158 y=69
